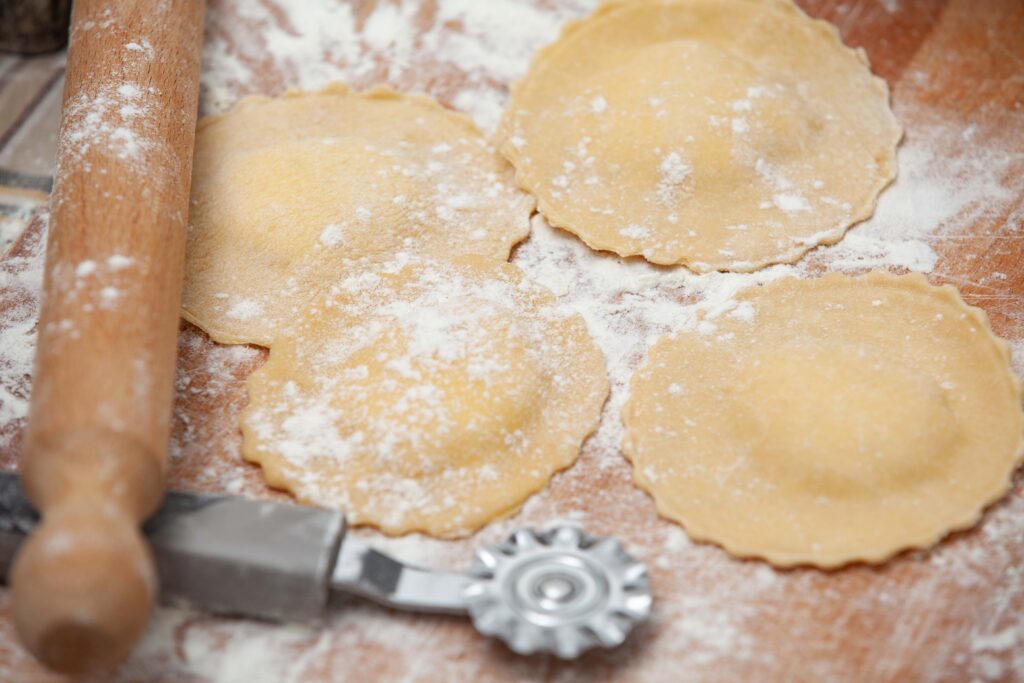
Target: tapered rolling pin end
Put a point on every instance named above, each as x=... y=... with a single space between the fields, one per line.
x=83 y=587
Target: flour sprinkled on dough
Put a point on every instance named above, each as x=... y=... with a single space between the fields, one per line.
x=716 y=608
x=829 y=421
x=277 y=211
x=423 y=395
x=691 y=129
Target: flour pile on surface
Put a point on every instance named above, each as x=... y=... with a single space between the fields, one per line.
x=463 y=52
x=21 y=275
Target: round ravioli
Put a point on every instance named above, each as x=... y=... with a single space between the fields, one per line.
x=828 y=421
x=718 y=134
x=432 y=396
x=293 y=192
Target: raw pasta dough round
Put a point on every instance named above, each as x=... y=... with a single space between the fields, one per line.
x=828 y=421
x=718 y=134
x=432 y=397
x=288 y=193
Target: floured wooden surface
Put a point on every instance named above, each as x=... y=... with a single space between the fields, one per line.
x=953 y=614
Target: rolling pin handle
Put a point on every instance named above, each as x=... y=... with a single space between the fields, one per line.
x=81 y=605
x=84 y=581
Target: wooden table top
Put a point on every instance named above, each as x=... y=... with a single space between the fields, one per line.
x=955 y=613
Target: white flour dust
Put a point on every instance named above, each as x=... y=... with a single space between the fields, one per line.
x=409 y=334
x=465 y=53
x=481 y=47
x=21 y=279
x=116 y=120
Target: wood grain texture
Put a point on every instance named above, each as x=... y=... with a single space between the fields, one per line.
x=101 y=401
x=953 y=614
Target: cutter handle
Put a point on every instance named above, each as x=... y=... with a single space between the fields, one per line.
x=84 y=583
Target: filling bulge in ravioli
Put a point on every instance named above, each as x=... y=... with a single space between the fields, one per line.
x=291 y=193
x=829 y=421
x=425 y=396
x=716 y=134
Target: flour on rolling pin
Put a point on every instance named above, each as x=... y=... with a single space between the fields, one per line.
x=110 y=118
x=465 y=54
x=117 y=116
x=100 y=122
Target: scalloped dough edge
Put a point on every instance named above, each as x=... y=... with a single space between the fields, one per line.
x=792 y=255
x=788 y=561
x=277 y=479
x=377 y=92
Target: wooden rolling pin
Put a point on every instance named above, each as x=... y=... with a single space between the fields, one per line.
x=84 y=583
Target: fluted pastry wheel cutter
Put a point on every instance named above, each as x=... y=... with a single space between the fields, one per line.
x=560 y=591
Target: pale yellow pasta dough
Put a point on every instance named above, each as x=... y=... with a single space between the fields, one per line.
x=828 y=421
x=288 y=193
x=433 y=396
x=718 y=134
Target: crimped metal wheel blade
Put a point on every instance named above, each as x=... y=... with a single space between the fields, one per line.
x=561 y=591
